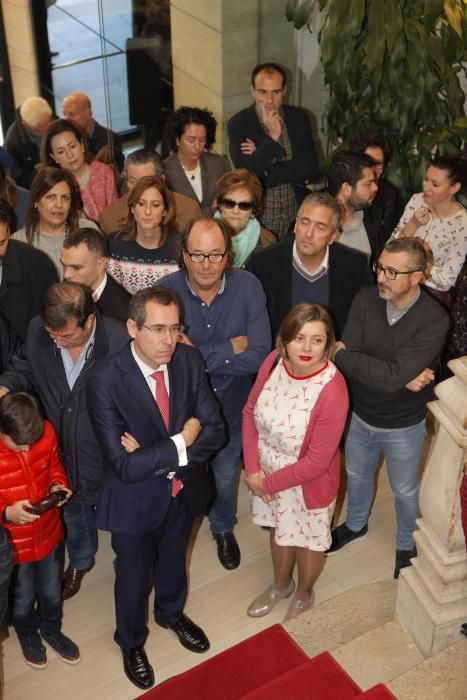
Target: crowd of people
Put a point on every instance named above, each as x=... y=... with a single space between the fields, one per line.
x=150 y=339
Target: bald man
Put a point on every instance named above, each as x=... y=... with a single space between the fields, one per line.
x=77 y=108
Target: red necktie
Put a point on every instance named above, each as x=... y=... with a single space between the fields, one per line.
x=162 y=401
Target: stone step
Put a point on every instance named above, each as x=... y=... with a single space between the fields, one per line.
x=359 y=630
x=379 y=655
x=442 y=677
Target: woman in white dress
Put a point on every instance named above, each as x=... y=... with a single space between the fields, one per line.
x=439 y=219
x=292 y=425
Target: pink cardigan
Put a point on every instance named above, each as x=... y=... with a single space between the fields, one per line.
x=100 y=191
x=317 y=469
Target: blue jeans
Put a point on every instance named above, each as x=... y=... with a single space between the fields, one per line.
x=37 y=595
x=81 y=533
x=402 y=449
x=222 y=515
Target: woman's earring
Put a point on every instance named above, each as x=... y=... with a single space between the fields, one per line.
x=323 y=358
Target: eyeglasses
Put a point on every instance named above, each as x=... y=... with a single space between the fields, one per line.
x=390 y=273
x=231 y=204
x=201 y=257
x=160 y=331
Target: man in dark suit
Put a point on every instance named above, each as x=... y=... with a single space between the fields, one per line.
x=84 y=259
x=77 y=108
x=149 y=515
x=274 y=141
x=313 y=267
x=26 y=274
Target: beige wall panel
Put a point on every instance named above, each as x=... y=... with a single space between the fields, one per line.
x=195 y=94
x=197 y=50
x=25 y=83
x=21 y=49
x=206 y=11
x=240 y=55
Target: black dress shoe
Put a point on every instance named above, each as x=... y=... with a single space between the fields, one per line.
x=190 y=635
x=137 y=667
x=228 y=550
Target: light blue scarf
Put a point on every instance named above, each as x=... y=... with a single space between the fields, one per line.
x=244 y=243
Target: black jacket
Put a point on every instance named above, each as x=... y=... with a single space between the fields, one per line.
x=348 y=273
x=27 y=273
x=265 y=161
x=25 y=153
x=114 y=300
x=39 y=368
x=101 y=137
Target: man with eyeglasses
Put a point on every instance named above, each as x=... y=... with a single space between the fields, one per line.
x=61 y=346
x=225 y=318
x=158 y=423
x=389 y=351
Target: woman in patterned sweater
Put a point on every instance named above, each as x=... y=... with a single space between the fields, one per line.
x=146 y=250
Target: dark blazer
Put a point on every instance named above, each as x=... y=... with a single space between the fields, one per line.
x=39 y=368
x=373 y=221
x=133 y=500
x=100 y=138
x=212 y=165
x=24 y=151
x=348 y=273
x=27 y=273
x=266 y=161
x=114 y=300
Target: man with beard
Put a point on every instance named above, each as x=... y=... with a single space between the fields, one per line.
x=352 y=180
x=389 y=350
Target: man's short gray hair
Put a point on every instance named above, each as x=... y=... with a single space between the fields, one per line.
x=145 y=157
x=34 y=109
x=324 y=199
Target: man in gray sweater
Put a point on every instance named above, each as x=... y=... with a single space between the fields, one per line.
x=390 y=347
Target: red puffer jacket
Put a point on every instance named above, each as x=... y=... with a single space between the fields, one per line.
x=30 y=475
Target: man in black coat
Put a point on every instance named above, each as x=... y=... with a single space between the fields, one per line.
x=26 y=274
x=84 y=259
x=23 y=138
x=61 y=347
x=77 y=108
x=274 y=141
x=352 y=181
x=312 y=267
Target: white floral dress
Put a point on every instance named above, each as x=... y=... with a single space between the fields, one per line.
x=447 y=238
x=281 y=416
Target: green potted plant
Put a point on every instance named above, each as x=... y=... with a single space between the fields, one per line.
x=393 y=65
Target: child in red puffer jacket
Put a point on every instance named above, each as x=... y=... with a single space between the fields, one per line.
x=30 y=469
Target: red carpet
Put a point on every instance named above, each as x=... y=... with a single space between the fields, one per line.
x=267 y=666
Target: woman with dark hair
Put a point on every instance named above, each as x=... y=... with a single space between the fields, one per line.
x=439 y=219
x=13 y=199
x=146 y=250
x=387 y=198
x=53 y=211
x=192 y=170
x=238 y=199
x=292 y=424
x=64 y=145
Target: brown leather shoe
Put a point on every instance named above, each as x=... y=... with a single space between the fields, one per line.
x=72 y=580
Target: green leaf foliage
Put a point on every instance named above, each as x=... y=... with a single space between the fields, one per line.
x=394 y=65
